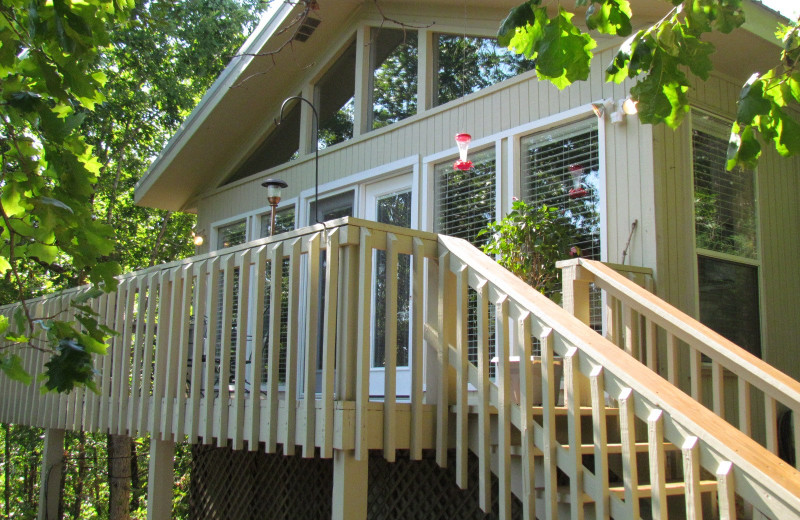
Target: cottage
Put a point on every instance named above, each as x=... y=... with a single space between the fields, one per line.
x=356 y=342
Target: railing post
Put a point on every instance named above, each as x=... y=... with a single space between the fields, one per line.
x=575 y=289
x=160 y=478
x=52 y=464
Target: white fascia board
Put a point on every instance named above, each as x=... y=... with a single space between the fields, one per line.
x=270 y=22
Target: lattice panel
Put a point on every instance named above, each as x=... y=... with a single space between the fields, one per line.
x=421 y=489
x=242 y=485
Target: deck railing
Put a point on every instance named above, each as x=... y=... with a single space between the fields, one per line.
x=732 y=382
x=309 y=299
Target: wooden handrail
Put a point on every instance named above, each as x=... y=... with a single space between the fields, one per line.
x=764 y=472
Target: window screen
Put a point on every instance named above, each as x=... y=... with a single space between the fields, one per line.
x=561 y=168
x=724 y=201
x=464 y=204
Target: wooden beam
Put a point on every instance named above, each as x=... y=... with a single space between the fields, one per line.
x=52 y=464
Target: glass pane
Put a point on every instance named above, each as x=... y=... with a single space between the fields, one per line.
x=284 y=221
x=335 y=92
x=729 y=301
x=464 y=204
x=393 y=209
x=724 y=201
x=465 y=200
x=466 y=65
x=232 y=234
x=394 y=77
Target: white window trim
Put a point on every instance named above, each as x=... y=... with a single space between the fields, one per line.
x=753 y=262
x=252 y=219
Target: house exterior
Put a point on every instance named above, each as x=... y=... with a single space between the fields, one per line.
x=389 y=84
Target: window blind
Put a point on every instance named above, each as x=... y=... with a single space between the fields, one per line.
x=724 y=201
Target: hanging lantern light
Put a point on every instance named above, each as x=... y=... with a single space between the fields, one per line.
x=463 y=140
x=576 y=172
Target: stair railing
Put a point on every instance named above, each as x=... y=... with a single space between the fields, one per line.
x=735 y=384
x=650 y=409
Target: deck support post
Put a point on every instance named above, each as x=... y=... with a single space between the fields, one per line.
x=161 y=476
x=52 y=464
x=350 y=484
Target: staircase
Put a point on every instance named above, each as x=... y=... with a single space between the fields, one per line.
x=619 y=441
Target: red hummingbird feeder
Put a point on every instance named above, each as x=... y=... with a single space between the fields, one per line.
x=463 y=140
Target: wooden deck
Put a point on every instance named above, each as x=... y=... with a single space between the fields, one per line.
x=318 y=326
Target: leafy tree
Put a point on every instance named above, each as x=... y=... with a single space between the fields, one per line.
x=660 y=58
x=50 y=81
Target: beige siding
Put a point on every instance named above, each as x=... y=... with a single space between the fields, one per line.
x=499 y=108
x=779 y=219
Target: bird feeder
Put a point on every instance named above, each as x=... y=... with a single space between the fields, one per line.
x=576 y=172
x=463 y=140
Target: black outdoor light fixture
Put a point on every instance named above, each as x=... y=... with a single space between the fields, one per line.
x=274 y=188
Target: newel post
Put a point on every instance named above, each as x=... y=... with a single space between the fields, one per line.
x=575 y=288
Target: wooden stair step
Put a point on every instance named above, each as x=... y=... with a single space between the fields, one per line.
x=588 y=449
x=672 y=488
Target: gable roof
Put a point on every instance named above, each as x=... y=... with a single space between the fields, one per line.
x=241 y=105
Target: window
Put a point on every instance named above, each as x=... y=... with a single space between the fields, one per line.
x=335 y=102
x=232 y=234
x=465 y=201
x=725 y=236
x=281 y=145
x=464 y=204
x=284 y=221
x=724 y=202
x=561 y=168
x=393 y=62
x=466 y=65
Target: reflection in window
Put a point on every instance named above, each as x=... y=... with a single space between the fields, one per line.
x=561 y=168
x=394 y=209
x=393 y=61
x=466 y=65
x=284 y=221
x=232 y=234
x=336 y=104
x=729 y=301
x=464 y=204
x=724 y=201
x=281 y=145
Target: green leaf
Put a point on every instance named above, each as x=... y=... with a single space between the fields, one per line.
x=751 y=101
x=519 y=16
x=610 y=17
x=85 y=296
x=55 y=202
x=4 y=265
x=3 y=324
x=105 y=273
x=11 y=365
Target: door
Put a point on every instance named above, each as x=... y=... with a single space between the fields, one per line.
x=389 y=202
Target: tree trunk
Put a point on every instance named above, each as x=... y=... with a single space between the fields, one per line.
x=119 y=477
x=135 y=481
x=75 y=510
x=7 y=469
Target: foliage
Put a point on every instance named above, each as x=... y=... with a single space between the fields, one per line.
x=660 y=59
x=158 y=66
x=49 y=53
x=529 y=241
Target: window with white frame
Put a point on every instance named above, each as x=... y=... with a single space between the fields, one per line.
x=284 y=221
x=725 y=214
x=335 y=100
x=560 y=167
x=464 y=204
x=232 y=234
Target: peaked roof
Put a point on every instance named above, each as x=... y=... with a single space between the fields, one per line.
x=241 y=105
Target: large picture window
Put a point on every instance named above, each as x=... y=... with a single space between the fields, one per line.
x=725 y=237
